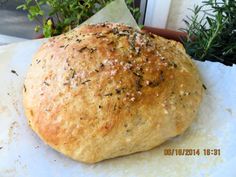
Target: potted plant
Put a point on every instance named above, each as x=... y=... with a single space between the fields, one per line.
x=55 y=17
x=210 y=32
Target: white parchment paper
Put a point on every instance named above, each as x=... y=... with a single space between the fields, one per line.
x=116 y=12
x=23 y=154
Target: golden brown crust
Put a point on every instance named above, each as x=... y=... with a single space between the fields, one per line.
x=107 y=90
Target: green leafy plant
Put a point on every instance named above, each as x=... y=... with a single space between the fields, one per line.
x=211 y=32
x=58 y=16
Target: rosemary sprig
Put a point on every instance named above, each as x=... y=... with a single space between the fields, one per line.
x=211 y=32
x=55 y=17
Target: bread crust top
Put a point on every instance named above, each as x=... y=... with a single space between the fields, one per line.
x=106 y=90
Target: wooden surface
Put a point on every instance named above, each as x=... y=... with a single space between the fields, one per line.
x=169 y=34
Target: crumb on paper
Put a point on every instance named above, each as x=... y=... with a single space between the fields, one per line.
x=204 y=86
x=229 y=110
x=14 y=72
x=10 y=171
x=15 y=103
x=11 y=131
x=2 y=108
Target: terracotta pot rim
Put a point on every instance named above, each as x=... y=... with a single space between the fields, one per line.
x=166 y=33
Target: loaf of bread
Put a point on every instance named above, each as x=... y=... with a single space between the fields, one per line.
x=107 y=90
